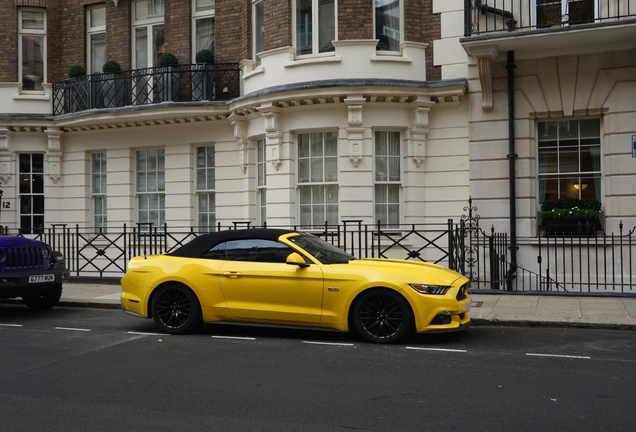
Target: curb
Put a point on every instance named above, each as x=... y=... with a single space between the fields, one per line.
x=551 y=324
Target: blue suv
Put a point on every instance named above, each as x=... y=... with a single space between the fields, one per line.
x=32 y=270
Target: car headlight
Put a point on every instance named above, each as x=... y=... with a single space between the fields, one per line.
x=45 y=253
x=430 y=289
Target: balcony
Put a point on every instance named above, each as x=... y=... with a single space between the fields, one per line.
x=148 y=86
x=544 y=28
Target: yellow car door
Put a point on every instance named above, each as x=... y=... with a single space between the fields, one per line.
x=258 y=285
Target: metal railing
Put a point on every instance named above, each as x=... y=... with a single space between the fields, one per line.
x=602 y=264
x=182 y=83
x=491 y=16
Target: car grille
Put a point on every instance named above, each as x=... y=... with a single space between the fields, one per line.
x=27 y=257
x=461 y=294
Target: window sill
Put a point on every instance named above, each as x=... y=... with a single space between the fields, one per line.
x=391 y=59
x=32 y=96
x=257 y=71
x=312 y=61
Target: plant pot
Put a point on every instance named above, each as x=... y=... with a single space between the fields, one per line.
x=202 y=82
x=77 y=93
x=113 y=90
x=568 y=228
x=168 y=86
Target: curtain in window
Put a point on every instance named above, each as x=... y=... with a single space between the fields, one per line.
x=32 y=62
x=205 y=34
x=387 y=24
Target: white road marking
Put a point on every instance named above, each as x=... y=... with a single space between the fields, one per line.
x=328 y=343
x=559 y=355
x=149 y=334
x=233 y=337
x=435 y=349
x=10 y=325
x=72 y=329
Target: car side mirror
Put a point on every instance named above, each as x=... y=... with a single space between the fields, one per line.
x=294 y=258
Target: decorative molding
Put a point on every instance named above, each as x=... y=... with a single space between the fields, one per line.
x=240 y=134
x=485 y=56
x=417 y=132
x=355 y=130
x=54 y=154
x=272 y=119
x=5 y=155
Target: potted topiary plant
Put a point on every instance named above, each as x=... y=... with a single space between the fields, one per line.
x=570 y=217
x=168 y=78
x=113 y=85
x=203 y=76
x=77 y=89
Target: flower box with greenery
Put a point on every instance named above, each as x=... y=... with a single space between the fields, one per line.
x=113 y=85
x=203 y=76
x=570 y=217
x=168 y=78
x=77 y=89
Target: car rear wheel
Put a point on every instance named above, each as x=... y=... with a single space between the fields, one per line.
x=382 y=316
x=175 y=309
x=44 y=301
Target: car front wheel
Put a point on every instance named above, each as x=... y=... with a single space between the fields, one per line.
x=44 y=301
x=175 y=309
x=382 y=316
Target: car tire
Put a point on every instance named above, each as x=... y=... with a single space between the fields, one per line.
x=44 y=301
x=382 y=316
x=176 y=309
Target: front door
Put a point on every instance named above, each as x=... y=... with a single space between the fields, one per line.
x=259 y=285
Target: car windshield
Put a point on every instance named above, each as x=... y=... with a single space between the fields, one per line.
x=325 y=252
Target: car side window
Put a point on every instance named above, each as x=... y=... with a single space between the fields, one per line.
x=257 y=250
x=217 y=252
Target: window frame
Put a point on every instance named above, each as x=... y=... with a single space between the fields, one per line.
x=91 y=32
x=313 y=185
x=209 y=193
x=30 y=181
x=564 y=12
x=160 y=193
x=315 y=36
x=261 y=182
x=388 y=181
x=202 y=15
x=401 y=31
x=149 y=24
x=564 y=175
x=255 y=39
x=32 y=32
x=102 y=195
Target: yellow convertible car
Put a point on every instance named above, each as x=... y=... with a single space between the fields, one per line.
x=284 y=277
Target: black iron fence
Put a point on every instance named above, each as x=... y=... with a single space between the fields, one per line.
x=487 y=16
x=603 y=264
x=182 y=83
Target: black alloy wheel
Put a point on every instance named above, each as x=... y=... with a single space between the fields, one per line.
x=175 y=309
x=382 y=316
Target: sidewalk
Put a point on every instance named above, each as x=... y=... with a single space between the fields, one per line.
x=486 y=309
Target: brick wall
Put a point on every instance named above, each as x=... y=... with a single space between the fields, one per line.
x=118 y=33
x=278 y=24
x=231 y=17
x=355 y=19
x=178 y=29
x=422 y=26
x=72 y=33
x=9 y=41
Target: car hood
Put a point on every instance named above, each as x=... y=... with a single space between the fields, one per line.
x=418 y=271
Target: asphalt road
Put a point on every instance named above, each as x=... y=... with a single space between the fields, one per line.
x=76 y=369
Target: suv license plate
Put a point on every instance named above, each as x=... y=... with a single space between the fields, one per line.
x=41 y=278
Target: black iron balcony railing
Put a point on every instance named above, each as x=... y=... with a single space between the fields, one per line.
x=489 y=16
x=182 y=83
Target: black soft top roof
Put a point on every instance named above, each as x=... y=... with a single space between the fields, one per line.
x=197 y=247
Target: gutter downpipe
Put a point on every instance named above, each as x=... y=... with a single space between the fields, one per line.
x=512 y=157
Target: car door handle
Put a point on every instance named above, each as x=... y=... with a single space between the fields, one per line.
x=232 y=274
